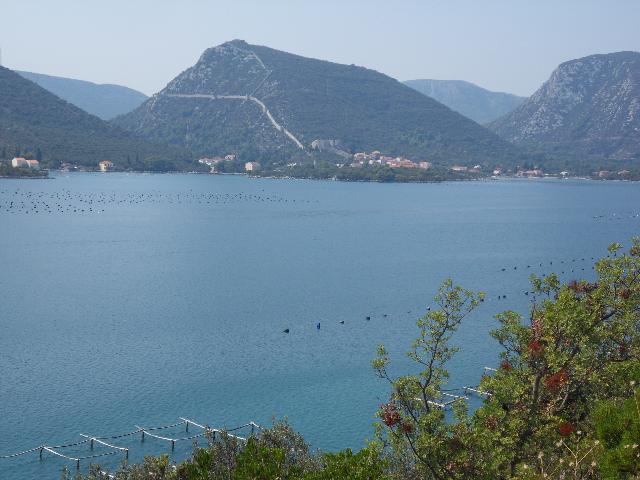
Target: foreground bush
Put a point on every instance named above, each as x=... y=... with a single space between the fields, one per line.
x=579 y=347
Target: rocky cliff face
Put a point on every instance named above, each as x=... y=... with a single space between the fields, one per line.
x=589 y=108
x=246 y=98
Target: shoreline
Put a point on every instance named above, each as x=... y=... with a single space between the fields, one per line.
x=333 y=179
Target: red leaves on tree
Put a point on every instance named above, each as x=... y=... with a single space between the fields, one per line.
x=535 y=347
x=623 y=350
x=556 y=381
x=582 y=287
x=406 y=427
x=390 y=415
x=505 y=365
x=566 y=429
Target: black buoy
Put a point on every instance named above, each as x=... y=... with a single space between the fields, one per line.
x=368 y=318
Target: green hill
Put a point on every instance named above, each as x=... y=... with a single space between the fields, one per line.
x=253 y=100
x=474 y=102
x=104 y=101
x=35 y=122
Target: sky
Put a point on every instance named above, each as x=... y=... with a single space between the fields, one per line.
x=502 y=45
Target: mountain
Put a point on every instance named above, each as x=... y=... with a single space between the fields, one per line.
x=34 y=121
x=588 y=111
x=472 y=101
x=104 y=101
x=258 y=102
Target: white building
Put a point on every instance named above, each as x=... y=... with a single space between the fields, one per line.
x=20 y=162
x=105 y=165
x=252 y=166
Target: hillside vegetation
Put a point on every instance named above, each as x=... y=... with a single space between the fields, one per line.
x=474 y=102
x=215 y=108
x=105 y=101
x=36 y=123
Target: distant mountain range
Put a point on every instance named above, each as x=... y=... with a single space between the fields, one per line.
x=35 y=122
x=587 y=113
x=105 y=101
x=472 y=101
x=258 y=102
x=283 y=109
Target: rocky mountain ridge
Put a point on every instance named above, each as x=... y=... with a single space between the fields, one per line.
x=589 y=109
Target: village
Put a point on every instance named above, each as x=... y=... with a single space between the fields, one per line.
x=377 y=158
x=360 y=160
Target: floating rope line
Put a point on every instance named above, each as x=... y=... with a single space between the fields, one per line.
x=22 y=453
x=97 y=440
x=477 y=391
x=145 y=431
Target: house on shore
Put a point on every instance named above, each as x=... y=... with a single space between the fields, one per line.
x=252 y=166
x=105 y=165
x=20 y=162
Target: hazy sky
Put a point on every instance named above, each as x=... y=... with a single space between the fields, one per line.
x=506 y=45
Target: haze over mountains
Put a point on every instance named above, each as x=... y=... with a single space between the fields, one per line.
x=36 y=122
x=241 y=98
x=474 y=102
x=587 y=112
x=102 y=100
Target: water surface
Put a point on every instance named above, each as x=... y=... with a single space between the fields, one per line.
x=137 y=299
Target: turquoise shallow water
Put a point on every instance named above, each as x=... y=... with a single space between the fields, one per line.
x=168 y=295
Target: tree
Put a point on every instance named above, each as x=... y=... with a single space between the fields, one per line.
x=579 y=346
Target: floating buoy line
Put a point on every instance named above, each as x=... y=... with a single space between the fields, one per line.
x=569 y=267
x=107 y=441
x=27 y=202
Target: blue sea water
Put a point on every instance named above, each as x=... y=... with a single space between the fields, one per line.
x=136 y=299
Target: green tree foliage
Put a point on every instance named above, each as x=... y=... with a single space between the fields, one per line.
x=617 y=426
x=579 y=346
x=10 y=172
x=364 y=465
